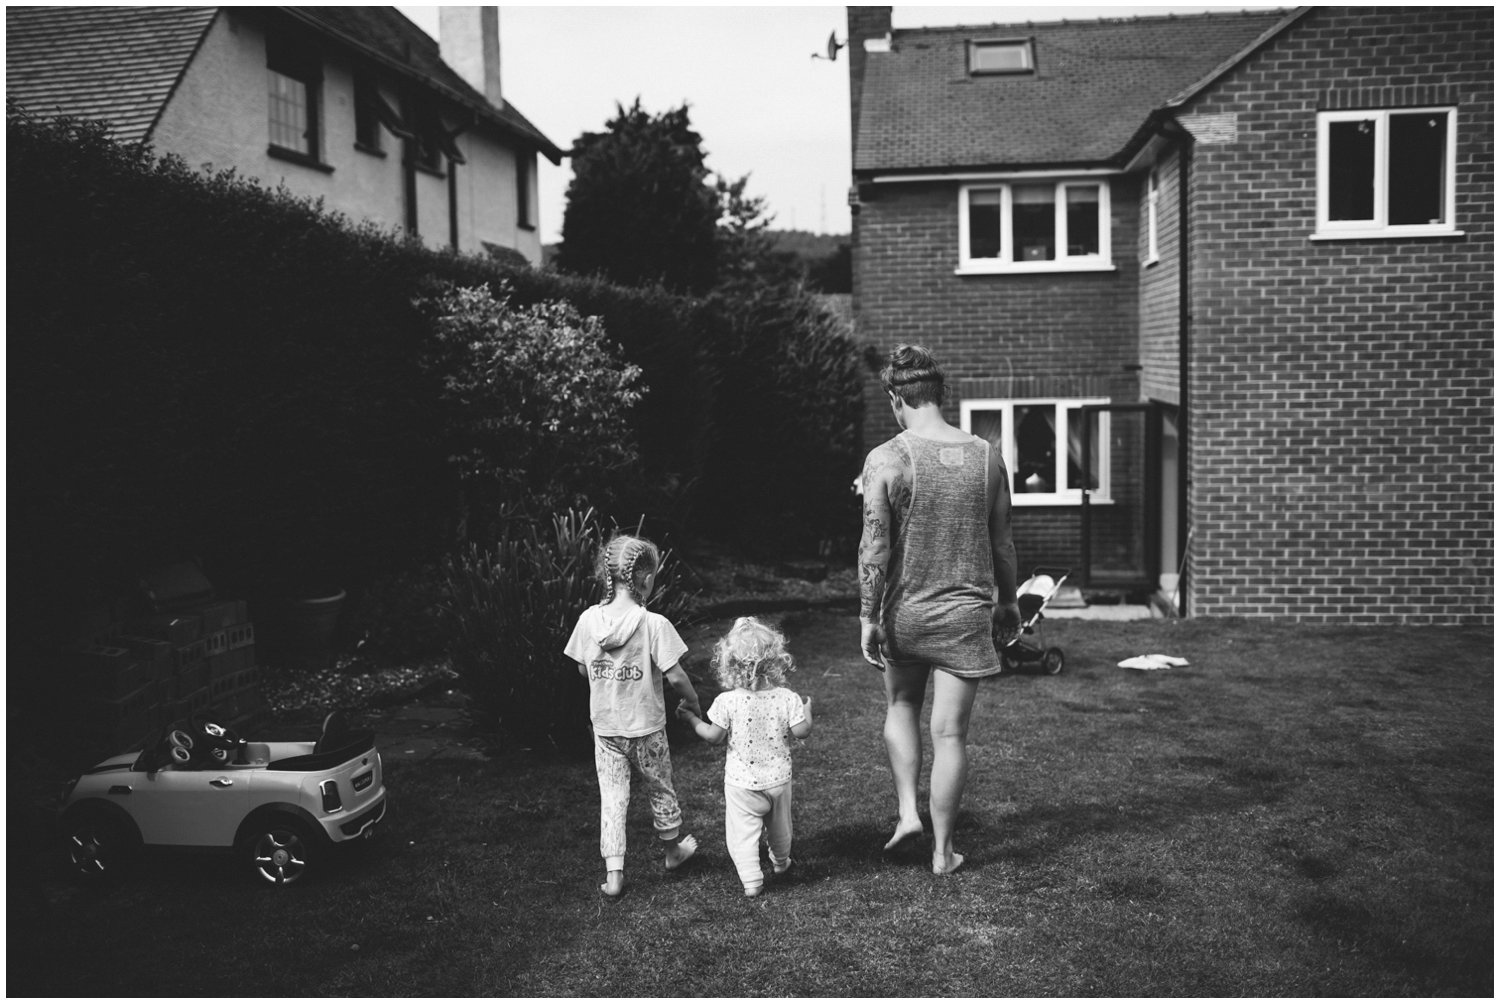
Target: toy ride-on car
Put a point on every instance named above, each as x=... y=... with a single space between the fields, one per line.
x=197 y=785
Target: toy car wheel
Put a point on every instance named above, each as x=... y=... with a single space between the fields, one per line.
x=100 y=847
x=280 y=851
x=1052 y=661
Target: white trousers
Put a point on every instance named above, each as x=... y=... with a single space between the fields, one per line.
x=748 y=814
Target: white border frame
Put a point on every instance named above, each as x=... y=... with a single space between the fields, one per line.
x=1101 y=262
x=1378 y=227
x=1068 y=497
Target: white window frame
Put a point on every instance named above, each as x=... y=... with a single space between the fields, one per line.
x=1153 y=232
x=1068 y=496
x=1022 y=45
x=1378 y=227
x=1101 y=262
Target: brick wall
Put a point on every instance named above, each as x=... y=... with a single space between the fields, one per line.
x=1342 y=391
x=1042 y=335
x=1159 y=306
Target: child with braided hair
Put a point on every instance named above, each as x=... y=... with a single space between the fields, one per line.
x=625 y=652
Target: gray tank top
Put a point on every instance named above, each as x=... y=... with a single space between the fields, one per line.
x=940 y=588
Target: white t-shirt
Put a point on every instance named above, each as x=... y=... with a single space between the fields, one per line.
x=625 y=653
x=760 y=755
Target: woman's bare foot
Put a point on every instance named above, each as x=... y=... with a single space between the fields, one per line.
x=948 y=867
x=614 y=884
x=680 y=851
x=904 y=831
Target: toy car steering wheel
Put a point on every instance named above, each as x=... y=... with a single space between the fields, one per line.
x=220 y=740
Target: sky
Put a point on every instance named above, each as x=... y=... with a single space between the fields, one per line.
x=764 y=107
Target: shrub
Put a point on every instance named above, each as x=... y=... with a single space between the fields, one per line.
x=788 y=411
x=534 y=400
x=510 y=608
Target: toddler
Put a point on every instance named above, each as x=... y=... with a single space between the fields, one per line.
x=755 y=715
x=625 y=651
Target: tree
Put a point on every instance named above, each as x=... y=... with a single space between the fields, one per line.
x=641 y=209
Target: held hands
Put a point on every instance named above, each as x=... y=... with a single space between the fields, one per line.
x=686 y=712
x=871 y=637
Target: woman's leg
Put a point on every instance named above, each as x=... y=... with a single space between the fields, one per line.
x=905 y=688
x=952 y=704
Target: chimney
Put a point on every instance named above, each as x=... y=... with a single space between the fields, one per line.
x=469 y=40
x=869 y=30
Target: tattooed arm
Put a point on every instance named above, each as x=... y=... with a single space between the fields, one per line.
x=1007 y=615
x=874 y=552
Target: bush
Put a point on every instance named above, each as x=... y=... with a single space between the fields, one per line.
x=534 y=402
x=788 y=411
x=510 y=608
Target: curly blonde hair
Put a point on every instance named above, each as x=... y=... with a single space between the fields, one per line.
x=623 y=561
x=752 y=655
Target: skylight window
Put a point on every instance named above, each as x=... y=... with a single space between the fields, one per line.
x=1007 y=55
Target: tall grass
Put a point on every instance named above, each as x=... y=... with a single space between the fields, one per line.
x=509 y=608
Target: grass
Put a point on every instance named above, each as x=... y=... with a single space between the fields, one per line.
x=1302 y=811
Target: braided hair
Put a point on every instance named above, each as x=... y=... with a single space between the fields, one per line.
x=620 y=561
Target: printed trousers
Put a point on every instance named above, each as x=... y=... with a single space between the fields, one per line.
x=614 y=759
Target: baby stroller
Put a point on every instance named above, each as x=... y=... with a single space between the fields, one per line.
x=1032 y=597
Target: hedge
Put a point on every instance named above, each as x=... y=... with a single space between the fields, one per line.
x=201 y=366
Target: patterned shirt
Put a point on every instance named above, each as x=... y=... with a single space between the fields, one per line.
x=758 y=721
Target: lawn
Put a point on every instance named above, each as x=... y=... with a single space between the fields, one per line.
x=1302 y=811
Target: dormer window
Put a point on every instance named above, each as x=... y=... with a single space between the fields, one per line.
x=1004 y=55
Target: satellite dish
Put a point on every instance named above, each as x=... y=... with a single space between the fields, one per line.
x=833 y=47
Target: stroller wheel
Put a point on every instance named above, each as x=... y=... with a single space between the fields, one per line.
x=1052 y=661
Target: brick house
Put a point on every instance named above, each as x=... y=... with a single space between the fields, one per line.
x=1219 y=286
x=354 y=105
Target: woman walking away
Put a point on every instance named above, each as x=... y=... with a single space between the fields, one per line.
x=937 y=582
x=625 y=651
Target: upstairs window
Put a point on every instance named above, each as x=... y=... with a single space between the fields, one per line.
x=1153 y=206
x=1007 y=55
x=1386 y=172
x=367 y=116
x=1042 y=443
x=523 y=189
x=1034 y=226
x=295 y=79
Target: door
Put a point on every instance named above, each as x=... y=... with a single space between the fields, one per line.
x=1121 y=510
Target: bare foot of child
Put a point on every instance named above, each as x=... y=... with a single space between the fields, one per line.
x=904 y=831
x=679 y=852
x=614 y=884
x=948 y=867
